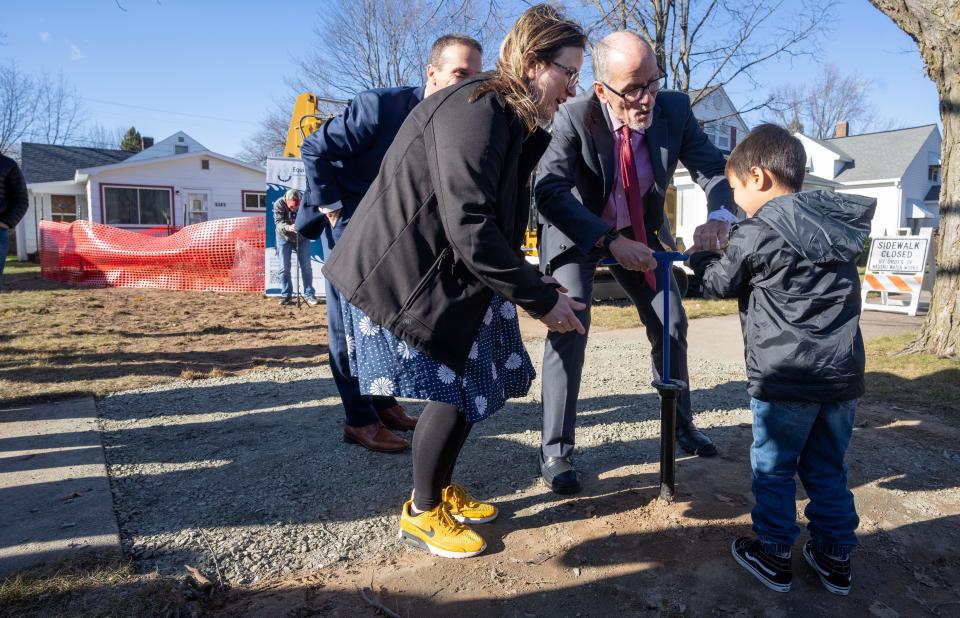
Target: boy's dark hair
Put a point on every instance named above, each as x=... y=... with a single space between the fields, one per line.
x=774 y=149
x=451 y=39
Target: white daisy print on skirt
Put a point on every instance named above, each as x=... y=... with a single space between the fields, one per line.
x=368 y=327
x=350 y=345
x=446 y=375
x=493 y=371
x=381 y=386
x=513 y=361
x=405 y=350
x=508 y=311
x=488 y=316
x=481 y=403
x=474 y=351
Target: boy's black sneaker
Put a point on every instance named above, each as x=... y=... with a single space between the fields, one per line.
x=774 y=572
x=834 y=573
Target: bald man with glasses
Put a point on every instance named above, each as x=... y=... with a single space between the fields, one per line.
x=600 y=192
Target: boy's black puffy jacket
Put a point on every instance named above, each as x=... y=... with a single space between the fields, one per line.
x=793 y=268
x=13 y=192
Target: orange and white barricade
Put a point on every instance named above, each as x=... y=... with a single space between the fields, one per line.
x=899 y=268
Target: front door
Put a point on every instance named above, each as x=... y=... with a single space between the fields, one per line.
x=195 y=206
x=63 y=208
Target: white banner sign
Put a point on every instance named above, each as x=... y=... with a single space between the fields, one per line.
x=284 y=174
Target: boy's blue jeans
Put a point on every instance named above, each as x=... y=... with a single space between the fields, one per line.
x=792 y=438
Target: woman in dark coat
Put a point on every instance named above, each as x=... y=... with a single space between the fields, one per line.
x=432 y=269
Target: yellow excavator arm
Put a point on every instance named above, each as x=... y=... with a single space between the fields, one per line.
x=303 y=122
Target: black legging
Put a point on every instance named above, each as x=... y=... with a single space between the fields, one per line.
x=441 y=432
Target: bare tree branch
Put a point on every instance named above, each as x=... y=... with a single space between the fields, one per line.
x=60 y=113
x=702 y=44
x=17 y=110
x=815 y=109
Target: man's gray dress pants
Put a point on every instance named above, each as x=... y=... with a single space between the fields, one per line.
x=563 y=353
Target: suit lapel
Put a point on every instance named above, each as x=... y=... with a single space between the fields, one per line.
x=657 y=139
x=601 y=134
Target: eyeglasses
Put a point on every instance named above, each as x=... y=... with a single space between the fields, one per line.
x=573 y=75
x=635 y=94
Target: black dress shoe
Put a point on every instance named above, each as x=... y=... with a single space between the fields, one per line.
x=695 y=442
x=559 y=474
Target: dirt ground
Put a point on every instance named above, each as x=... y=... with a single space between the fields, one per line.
x=617 y=549
x=60 y=341
x=614 y=549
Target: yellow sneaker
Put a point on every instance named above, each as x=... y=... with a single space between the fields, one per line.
x=465 y=508
x=439 y=533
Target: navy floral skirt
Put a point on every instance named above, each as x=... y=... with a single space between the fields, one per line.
x=497 y=367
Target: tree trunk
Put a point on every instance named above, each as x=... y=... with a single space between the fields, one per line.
x=935 y=26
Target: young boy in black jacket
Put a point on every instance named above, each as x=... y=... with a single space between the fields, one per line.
x=792 y=265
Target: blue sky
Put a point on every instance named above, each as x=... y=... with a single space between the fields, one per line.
x=213 y=68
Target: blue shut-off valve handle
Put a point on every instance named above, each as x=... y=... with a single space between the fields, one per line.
x=664 y=261
x=669 y=391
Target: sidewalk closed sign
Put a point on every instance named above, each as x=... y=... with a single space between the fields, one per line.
x=898 y=255
x=897 y=269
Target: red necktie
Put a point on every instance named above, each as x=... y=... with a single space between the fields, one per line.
x=631 y=187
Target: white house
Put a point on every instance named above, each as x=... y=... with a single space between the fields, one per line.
x=173 y=183
x=687 y=208
x=901 y=168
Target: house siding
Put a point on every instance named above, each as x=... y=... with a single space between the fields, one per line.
x=225 y=182
x=691 y=207
x=916 y=183
x=887 y=219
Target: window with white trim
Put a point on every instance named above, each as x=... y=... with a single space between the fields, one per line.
x=136 y=206
x=254 y=201
x=719 y=134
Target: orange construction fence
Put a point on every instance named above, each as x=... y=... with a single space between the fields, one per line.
x=225 y=255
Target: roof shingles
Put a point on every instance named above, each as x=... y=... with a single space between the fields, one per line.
x=51 y=163
x=878 y=156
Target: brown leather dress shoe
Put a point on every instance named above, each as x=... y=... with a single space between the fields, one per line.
x=375 y=437
x=396 y=418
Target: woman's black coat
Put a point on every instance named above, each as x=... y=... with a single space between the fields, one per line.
x=441 y=227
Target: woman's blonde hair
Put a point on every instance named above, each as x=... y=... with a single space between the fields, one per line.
x=543 y=30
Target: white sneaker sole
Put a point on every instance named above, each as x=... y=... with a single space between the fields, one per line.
x=823 y=580
x=475 y=520
x=750 y=569
x=418 y=542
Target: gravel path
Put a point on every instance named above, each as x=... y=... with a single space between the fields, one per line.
x=249 y=476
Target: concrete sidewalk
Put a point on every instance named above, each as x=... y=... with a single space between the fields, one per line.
x=720 y=339
x=55 y=498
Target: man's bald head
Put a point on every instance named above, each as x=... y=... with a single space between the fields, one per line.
x=620 y=52
x=627 y=78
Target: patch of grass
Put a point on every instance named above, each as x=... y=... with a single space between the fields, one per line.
x=62 y=342
x=88 y=585
x=14 y=266
x=911 y=379
x=622 y=314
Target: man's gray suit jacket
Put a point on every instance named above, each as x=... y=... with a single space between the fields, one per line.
x=576 y=174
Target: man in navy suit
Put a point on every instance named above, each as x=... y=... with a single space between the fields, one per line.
x=341 y=160
x=600 y=192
